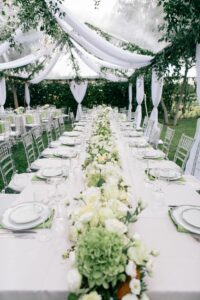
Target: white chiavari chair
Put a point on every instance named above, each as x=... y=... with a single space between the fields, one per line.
x=183 y=150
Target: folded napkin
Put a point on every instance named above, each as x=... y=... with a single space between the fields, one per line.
x=179 y=228
x=35 y=178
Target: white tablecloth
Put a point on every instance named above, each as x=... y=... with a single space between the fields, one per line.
x=34 y=270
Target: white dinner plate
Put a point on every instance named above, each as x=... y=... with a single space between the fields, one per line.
x=23 y=214
x=153 y=154
x=165 y=173
x=47 y=163
x=192 y=216
x=51 y=172
x=55 y=144
x=71 y=133
x=9 y=224
x=136 y=134
x=177 y=215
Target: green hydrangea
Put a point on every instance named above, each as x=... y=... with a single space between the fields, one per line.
x=100 y=257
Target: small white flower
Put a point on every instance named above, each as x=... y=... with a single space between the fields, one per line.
x=73 y=234
x=135 y=286
x=91 y=296
x=72 y=258
x=114 y=225
x=155 y=252
x=131 y=269
x=73 y=280
x=130 y=297
x=138 y=254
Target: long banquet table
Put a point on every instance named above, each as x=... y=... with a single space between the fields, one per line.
x=34 y=270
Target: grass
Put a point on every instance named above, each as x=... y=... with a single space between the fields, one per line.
x=186 y=126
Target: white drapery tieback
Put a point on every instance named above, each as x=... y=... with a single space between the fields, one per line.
x=130 y=97
x=78 y=91
x=139 y=99
x=2 y=94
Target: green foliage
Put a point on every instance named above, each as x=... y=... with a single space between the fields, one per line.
x=100 y=257
x=181 y=31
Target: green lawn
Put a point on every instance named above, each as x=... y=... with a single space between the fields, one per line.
x=186 y=126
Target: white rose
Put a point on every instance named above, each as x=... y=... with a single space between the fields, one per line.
x=91 y=296
x=105 y=213
x=73 y=280
x=122 y=209
x=135 y=286
x=138 y=254
x=130 y=297
x=86 y=217
x=91 y=195
x=131 y=269
x=114 y=225
x=111 y=191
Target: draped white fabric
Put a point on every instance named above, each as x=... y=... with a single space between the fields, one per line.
x=190 y=167
x=156 y=94
x=99 y=61
x=98 y=45
x=42 y=75
x=130 y=98
x=96 y=67
x=2 y=94
x=78 y=91
x=23 y=61
x=139 y=99
x=27 y=95
x=198 y=71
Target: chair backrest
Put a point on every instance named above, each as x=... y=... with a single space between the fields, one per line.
x=160 y=126
x=48 y=129
x=56 y=128
x=19 y=125
x=183 y=150
x=149 y=128
x=27 y=140
x=37 y=135
x=7 y=166
x=62 y=124
x=168 y=140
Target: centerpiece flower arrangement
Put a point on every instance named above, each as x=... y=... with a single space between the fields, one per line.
x=20 y=110
x=107 y=259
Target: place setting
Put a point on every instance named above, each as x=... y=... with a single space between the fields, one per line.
x=186 y=219
x=165 y=174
